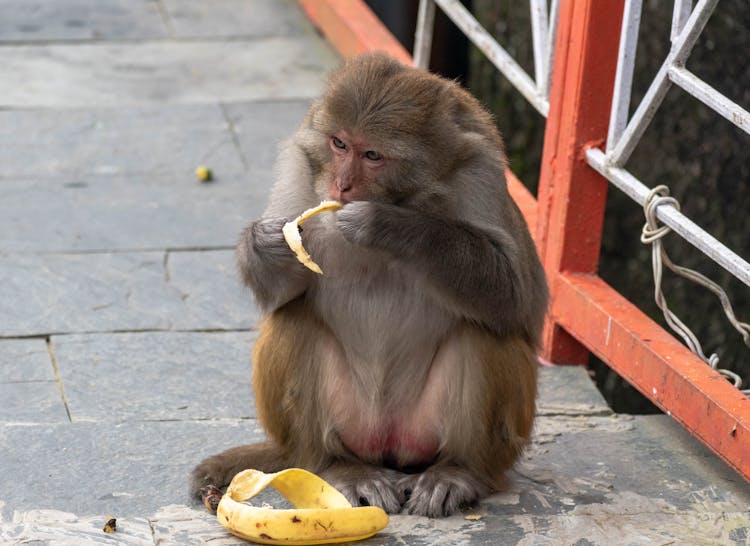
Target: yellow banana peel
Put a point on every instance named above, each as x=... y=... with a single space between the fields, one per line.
x=322 y=514
x=293 y=238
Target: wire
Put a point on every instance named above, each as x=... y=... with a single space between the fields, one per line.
x=653 y=234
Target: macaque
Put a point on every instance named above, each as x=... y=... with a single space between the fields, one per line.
x=405 y=375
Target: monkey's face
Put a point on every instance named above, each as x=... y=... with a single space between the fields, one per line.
x=358 y=168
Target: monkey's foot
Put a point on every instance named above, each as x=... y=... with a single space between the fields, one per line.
x=440 y=491
x=218 y=470
x=366 y=485
x=210 y=473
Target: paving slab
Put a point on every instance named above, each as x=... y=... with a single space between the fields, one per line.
x=211 y=293
x=139 y=142
x=187 y=72
x=25 y=360
x=256 y=124
x=45 y=20
x=142 y=141
x=232 y=18
x=555 y=387
x=156 y=376
x=127 y=469
x=104 y=292
x=32 y=402
x=117 y=213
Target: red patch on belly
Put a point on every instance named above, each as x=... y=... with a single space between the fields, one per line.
x=394 y=445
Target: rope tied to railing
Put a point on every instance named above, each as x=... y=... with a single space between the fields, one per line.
x=652 y=234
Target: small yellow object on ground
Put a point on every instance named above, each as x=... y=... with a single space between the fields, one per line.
x=204 y=174
x=110 y=526
x=323 y=515
x=293 y=238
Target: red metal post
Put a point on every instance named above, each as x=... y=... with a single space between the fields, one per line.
x=571 y=194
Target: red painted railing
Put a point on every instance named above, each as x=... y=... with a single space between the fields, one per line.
x=585 y=313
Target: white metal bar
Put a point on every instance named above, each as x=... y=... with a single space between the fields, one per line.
x=423 y=34
x=710 y=97
x=554 y=11
x=495 y=53
x=671 y=217
x=680 y=15
x=624 y=76
x=539 y=32
x=659 y=87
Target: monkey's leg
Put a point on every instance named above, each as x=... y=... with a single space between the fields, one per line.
x=488 y=417
x=286 y=399
x=218 y=470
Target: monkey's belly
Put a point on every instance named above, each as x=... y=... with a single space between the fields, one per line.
x=398 y=422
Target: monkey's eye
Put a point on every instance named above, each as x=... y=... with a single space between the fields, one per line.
x=338 y=143
x=372 y=155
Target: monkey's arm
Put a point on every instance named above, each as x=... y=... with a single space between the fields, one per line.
x=265 y=261
x=484 y=274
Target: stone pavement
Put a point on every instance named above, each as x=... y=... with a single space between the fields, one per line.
x=124 y=334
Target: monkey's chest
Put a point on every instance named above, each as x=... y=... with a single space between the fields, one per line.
x=384 y=317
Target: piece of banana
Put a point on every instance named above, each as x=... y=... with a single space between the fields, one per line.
x=323 y=515
x=293 y=238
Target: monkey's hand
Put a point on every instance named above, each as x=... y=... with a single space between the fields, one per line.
x=268 y=266
x=359 y=221
x=264 y=236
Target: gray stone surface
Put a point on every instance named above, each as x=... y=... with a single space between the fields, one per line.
x=40 y=20
x=31 y=402
x=261 y=126
x=25 y=360
x=140 y=143
x=137 y=212
x=556 y=385
x=127 y=469
x=156 y=376
x=154 y=72
x=231 y=18
x=101 y=292
x=210 y=291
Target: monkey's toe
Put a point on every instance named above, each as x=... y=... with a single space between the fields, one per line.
x=440 y=492
x=366 y=485
x=372 y=493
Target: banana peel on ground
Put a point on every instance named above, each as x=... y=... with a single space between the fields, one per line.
x=322 y=514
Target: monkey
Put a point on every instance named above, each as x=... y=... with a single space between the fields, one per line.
x=405 y=375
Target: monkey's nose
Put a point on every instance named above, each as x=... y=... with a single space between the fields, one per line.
x=344 y=185
x=338 y=195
